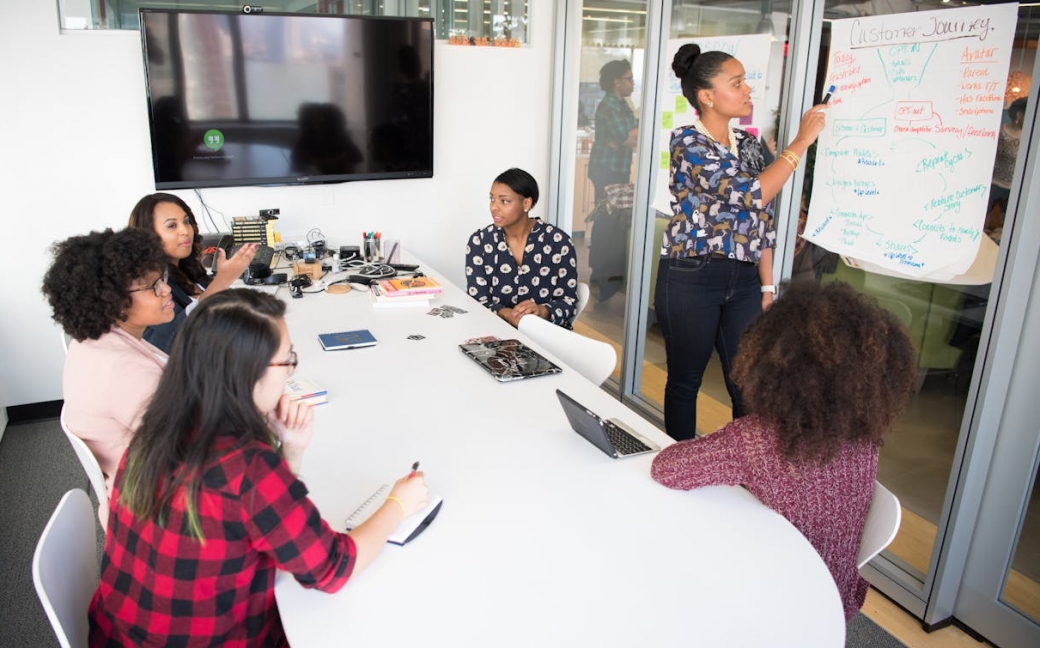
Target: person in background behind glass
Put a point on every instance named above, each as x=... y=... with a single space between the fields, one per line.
x=825 y=372
x=207 y=505
x=1004 y=167
x=610 y=160
x=105 y=289
x=171 y=218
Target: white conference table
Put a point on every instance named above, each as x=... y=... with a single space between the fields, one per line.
x=542 y=539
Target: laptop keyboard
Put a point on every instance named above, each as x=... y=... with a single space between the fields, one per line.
x=623 y=442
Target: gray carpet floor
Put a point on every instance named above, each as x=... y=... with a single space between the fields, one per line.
x=37 y=467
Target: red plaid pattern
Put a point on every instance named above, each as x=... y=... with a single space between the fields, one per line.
x=162 y=587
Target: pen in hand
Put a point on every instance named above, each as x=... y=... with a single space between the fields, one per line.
x=827 y=97
x=415 y=470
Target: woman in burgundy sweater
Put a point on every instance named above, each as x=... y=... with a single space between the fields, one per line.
x=825 y=372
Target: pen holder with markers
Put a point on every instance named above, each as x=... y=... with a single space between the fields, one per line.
x=373 y=250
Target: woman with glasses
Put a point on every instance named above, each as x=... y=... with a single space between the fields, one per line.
x=207 y=505
x=171 y=218
x=105 y=289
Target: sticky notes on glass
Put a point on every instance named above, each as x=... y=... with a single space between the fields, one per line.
x=665 y=159
x=666 y=120
x=681 y=104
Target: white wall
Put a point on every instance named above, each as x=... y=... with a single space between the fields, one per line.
x=74 y=156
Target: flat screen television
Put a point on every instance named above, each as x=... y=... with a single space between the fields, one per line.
x=267 y=99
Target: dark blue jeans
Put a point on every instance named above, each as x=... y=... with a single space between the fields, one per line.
x=702 y=303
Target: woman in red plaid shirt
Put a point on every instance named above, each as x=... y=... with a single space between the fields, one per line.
x=206 y=504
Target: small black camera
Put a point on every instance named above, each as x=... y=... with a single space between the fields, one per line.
x=252 y=9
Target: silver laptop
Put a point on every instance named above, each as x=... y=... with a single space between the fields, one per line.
x=611 y=436
x=509 y=360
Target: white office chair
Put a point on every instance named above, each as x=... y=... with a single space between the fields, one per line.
x=66 y=340
x=881 y=525
x=591 y=358
x=92 y=468
x=65 y=569
x=583 y=298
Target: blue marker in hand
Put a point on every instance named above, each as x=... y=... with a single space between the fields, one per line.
x=830 y=91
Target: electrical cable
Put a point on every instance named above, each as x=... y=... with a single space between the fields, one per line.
x=208 y=212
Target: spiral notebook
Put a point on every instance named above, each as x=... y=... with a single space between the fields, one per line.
x=410 y=527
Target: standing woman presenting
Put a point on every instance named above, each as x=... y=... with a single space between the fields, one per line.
x=716 y=267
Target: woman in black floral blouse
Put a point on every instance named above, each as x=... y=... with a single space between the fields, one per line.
x=716 y=268
x=519 y=265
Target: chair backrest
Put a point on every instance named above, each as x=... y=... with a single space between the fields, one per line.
x=591 y=358
x=583 y=298
x=881 y=525
x=92 y=468
x=65 y=569
x=66 y=340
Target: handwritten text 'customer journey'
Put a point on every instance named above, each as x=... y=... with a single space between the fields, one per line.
x=903 y=168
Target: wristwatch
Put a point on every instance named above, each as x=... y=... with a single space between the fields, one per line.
x=769 y=288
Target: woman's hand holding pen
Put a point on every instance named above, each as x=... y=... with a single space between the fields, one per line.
x=773 y=177
x=813 y=122
x=411 y=492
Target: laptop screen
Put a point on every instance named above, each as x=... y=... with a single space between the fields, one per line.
x=586 y=423
x=508 y=360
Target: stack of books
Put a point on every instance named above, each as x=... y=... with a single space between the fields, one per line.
x=306 y=391
x=414 y=291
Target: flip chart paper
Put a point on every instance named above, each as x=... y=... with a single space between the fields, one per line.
x=904 y=165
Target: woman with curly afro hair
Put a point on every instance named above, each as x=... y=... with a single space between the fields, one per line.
x=171 y=218
x=105 y=289
x=824 y=372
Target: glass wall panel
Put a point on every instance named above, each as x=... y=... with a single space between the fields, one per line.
x=944 y=318
x=1022 y=587
x=609 y=96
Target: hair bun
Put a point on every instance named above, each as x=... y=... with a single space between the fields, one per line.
x=684 y=59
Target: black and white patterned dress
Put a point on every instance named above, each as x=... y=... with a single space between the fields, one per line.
x=548 y=273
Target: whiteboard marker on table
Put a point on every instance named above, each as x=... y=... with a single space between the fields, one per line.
x=830 y=91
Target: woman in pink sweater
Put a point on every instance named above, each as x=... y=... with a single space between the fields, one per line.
x=105 y=288
x=824 y=372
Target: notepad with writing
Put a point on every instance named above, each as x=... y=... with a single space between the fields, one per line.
x=346 y=340
x=410 y=527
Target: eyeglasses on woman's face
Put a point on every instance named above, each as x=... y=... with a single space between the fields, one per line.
x=291 y=363
x=160 y=284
